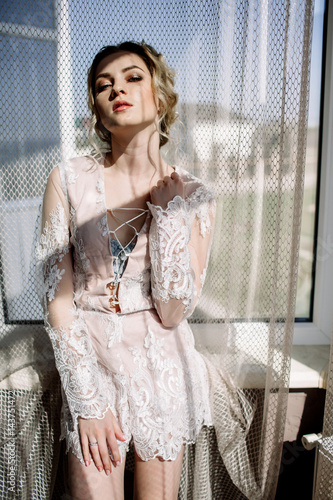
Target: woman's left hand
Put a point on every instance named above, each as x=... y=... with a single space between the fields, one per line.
x=166 y=189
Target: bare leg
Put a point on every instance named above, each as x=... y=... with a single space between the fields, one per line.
x=157 y=479
x=86 y=483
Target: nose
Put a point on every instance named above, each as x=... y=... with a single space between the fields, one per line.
x=116 y=90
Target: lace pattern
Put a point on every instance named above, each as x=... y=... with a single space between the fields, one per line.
x=103 y=226
x=201 y=203
x=170 y=233
x=77 y=366
x=51 y=249
x=100 y=200
x=81 y=261
x=136 y=292
x=71 y=175
x=175 y=420
x=158 y=391
x=113 y=329
x=75 y=358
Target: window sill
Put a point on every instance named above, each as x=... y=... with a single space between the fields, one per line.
x=309 y=334
x=309 y=359
x=309 y=366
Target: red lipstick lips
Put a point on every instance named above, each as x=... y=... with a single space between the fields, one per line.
x=121 y=105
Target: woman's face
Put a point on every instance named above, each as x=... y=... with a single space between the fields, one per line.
x=123 y=92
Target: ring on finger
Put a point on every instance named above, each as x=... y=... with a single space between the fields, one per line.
x=93 y=444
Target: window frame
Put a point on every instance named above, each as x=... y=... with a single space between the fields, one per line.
x=319 y=330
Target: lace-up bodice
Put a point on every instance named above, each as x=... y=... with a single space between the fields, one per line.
x=120 y=252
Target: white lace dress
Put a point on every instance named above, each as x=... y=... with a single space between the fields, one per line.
x=141 y=362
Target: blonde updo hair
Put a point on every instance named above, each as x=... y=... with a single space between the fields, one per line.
x=162 y=85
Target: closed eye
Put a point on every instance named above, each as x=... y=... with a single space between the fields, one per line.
x=135 y=78
x=100 y=88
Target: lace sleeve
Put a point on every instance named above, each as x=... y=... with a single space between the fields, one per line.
x=74 y=356
x=179 y=244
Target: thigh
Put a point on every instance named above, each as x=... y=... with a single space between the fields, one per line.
x=157 y=479
x=86 y=483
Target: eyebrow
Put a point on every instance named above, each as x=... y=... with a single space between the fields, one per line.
x=102 y=75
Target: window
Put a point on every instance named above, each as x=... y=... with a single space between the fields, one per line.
x=28 y=136
x=305 y=289
x=319 y=330
x=28 y=27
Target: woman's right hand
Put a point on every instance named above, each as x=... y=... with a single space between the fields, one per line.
x=105 y=432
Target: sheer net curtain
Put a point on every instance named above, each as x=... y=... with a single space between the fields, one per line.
x=324 y=472
x=242 y=79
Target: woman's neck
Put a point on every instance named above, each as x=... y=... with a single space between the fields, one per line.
x=137 y=156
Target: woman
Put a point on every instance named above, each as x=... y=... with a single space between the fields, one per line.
x=124 y=247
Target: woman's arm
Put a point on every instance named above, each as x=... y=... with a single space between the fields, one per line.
x=74 y=356
x=179 y=244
